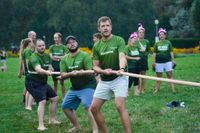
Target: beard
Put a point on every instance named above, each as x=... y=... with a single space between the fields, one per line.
x=40 y=52
x=73 y=50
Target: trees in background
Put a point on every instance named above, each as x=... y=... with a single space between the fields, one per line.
x=195 y=15
x=80 y=17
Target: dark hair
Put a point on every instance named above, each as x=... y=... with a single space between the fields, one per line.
x=103 y=19
x=97 y=35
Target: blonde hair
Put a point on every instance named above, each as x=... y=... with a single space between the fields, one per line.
x=24 y=44
x=103 y=19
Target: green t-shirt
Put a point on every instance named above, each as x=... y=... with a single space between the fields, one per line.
x=26 y=55
x=81 y=61
x=162 y=50
x=44 y=61
x=146 y=45
x=132 y=51
x=107 y=53
x=57 y=50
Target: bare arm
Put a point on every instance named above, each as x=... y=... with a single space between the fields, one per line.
x=142 y=49
x=96 y=67
x=122 y=60
x=65 y=75
x=172 y=57
x=153 y=59
x=20 y=73
x=39 y=70
x=99 y=70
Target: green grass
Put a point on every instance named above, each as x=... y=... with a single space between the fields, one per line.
x=148 y=112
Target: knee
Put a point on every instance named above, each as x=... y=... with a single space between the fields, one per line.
x=55 y=99
x=93 y=109
x=120 y=107
x=43 y=102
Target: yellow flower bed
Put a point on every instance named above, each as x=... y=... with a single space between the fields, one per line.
x=194 y=50
x=10 y=54
x=87 y=50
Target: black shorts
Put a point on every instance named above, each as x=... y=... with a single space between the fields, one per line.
x=40 y=91
x=143 y=65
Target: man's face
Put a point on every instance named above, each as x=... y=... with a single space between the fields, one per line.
x=40 y=47
x=32 y=35
x=141 y=34
x=72 y=45
x=57 y=39
x=105 y=28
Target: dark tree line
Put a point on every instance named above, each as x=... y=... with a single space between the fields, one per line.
x=79 y=17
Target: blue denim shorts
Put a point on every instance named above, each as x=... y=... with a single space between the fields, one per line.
x=73 y=98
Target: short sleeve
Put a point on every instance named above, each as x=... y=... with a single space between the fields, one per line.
x=63 y=67
x=34 y=61
x=88 y=63
x=122 y=46
x=95 y=55
x=51 y=49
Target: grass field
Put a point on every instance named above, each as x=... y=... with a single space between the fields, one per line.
x=148 y=112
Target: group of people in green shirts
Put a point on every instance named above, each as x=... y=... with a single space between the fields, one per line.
x=110 y=58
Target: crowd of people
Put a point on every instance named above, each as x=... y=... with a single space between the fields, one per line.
x=94 y=79
x=3 y=68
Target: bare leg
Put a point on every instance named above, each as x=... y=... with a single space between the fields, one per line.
x=143 y=81
x=29 y=101
x=24 y=96
x=157 y=87
x=92 y=121
x=136 y=91
x=124 y=116
x=170 y=76
x=72 y=117
x=55 y=85
x=41 y=109
x=63 y=88
x=95 y=109
x=52 y=111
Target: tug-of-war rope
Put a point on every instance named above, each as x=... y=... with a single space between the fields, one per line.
x=181 y=82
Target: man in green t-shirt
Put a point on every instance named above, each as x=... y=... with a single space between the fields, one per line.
x=109 y=60
x=77 y=66
x=37 y=84
x=163 y=59
x=56 y=52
